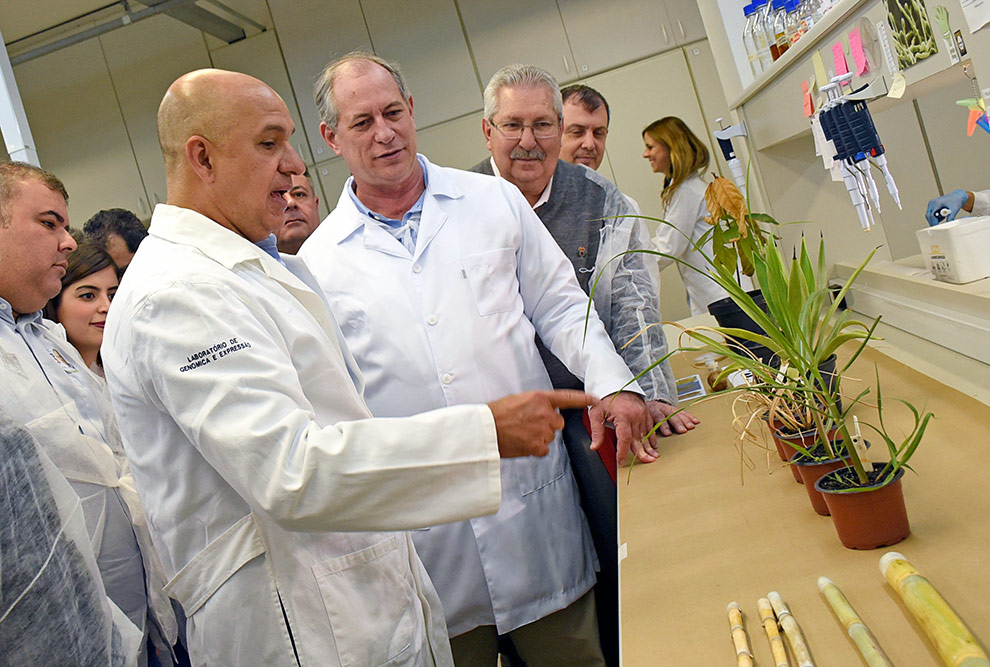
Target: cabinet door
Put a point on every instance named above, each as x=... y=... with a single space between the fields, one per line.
x=685 y=21
x=606 y=35
x=332 y=175
x=144 y=59
x=78 y=130
x=638 y=95
x=517 y=31
x=426 y=40
x=458 y=143
x=259 y=56
x=311 y=34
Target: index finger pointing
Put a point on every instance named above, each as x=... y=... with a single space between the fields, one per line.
x=569 y=398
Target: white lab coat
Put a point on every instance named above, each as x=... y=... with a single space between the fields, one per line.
x=248 y=441
x=455 y=323
x=687 y=212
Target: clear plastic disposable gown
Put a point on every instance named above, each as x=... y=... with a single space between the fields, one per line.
x=53 y=607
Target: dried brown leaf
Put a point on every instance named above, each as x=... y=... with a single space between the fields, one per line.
x=726 y=197
x=712 y=202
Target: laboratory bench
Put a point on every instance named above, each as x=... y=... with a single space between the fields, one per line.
x=699 y=530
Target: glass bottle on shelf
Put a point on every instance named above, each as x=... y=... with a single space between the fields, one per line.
x=749 y=43
x=761 y=35
x=807 y=10
x=780 y=27
x=793 y=22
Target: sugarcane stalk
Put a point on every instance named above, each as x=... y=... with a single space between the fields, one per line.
x=850 y=620
x=769 y=621
x=955 y=644
x=792 y=631
x=744 y=658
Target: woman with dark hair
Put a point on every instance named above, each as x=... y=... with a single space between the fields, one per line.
x=674 y=151
x=100 y=474
x=81 y=307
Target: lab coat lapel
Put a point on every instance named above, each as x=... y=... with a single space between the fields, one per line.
x=440 y=191
x=303 y=293
x=354 y=222
x=430 y=224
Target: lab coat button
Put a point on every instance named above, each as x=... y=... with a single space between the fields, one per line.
x=431 y=320
x=417 y=268
x=446 y=378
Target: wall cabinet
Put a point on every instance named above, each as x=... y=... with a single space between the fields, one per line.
x=143 y=60
x=258 y=56
x=310 y=35
x=605 y=35
x=576 y=38
x=426 y=39
x=517 y=31
x=685 y=21
x=79 y=131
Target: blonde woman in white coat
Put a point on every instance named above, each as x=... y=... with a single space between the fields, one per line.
x=674 y=151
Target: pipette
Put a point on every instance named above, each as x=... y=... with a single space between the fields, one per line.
x=724 y=136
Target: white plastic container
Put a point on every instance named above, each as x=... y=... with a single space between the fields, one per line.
x=957 y=251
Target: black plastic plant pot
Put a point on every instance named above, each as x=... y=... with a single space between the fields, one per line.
x=730 y=316
x=764 y=354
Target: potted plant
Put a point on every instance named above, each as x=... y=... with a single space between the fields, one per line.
x=798 y=389
x=867 y=502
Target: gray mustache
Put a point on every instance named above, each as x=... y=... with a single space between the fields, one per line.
x=519 y=153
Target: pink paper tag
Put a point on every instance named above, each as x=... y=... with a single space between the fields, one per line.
x=809 y=105
x=839 y=56
x=856 y=49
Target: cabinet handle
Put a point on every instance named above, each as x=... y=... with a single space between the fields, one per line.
x=663 y=29
x=680 y=26
x=567 y=65
x=142 y=207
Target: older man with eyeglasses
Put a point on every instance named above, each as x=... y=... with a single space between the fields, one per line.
x=584 y=213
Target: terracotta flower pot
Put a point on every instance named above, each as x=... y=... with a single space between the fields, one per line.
x=867 y=519
x=806 y=439
x=810 y=470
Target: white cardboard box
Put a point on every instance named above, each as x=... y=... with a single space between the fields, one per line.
x=957 y=251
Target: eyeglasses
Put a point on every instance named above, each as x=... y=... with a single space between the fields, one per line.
x=511 y=129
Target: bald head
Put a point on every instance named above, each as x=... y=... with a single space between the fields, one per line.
x=206 y=103
x=225 y=138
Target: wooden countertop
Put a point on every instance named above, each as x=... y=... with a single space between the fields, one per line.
x=696 y=538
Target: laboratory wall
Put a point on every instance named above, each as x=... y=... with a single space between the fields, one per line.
x=92 y=106
x=923 y=131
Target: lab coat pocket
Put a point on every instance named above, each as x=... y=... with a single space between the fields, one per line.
x=534 y=474
x=492 y=278
x=371 y=601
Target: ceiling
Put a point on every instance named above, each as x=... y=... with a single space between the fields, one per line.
x=20 y=18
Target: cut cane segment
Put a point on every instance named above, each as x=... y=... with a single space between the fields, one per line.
x=769 y=621
x=792 y=631
x=744 y=658
x=867 y=644
x=955 y=644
